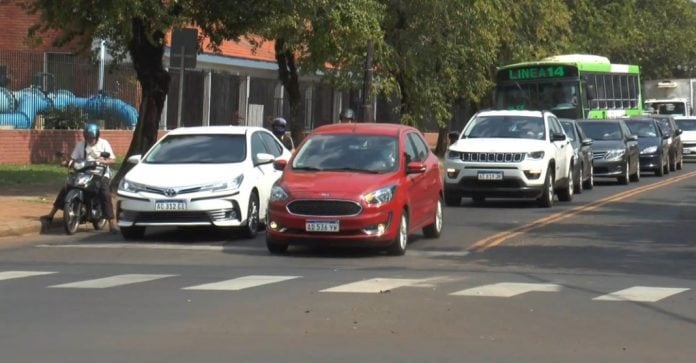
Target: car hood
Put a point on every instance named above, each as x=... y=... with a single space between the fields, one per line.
x=498 y=145
x=644 y=142
x=604 y=145
x=182 y=175
x=688 y=136
x=332 y=184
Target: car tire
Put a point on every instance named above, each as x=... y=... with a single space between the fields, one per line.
x=433 y=230
x=623 y=180
x=661 y=170
x=453 y=199
x=636 y=177
x=680 y=163
x=673 y=163
x=566 y=194
x=546 y=198
x=274 y=247
x=589 y=183
x=398 y=246
x=134 y=233
x=251 y=227
x=579 y=180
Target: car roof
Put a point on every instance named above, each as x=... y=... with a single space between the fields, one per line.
x=510 y=113
x=607 y=120
x=685 y=117
x=227 y=130
x=639 y=119
x=363 y=128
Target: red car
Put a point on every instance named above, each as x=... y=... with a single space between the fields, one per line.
x=359 y=184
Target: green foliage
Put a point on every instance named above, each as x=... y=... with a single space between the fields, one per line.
x=69 y=118
x=32 y=174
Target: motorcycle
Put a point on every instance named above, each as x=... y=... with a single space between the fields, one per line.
x=82 y=203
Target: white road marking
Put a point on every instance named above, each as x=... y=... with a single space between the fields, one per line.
x=507 y=289
x=241 y=283
x=112 y=281
x=154 y=246
x=374 y=286
x=641 y=294
x=419 y=253
x=8 y=275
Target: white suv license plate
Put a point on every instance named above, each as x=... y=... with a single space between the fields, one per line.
x=490 y=175
x=170 y=205
x=322 y=226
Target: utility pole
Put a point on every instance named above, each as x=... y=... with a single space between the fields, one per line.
x=368 y=113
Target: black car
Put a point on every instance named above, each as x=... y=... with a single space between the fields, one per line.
x=676 y=151
x=654 y=145
x=582 y=146
x=615 y=150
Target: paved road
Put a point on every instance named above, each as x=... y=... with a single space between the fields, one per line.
x=610 y=277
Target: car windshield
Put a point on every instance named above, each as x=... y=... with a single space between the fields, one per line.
x=198 y=149
x=642 y=128
x=569 y=129
x=348 y=152
x=687 y=124
x=602 y=130
x=512 y=127
x=666 y=126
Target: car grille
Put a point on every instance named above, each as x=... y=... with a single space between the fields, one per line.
x=505 y=183
x=184 y=217
x=324 y=208
x=598 y=155
x=493 y=157
x=170 y=192
x=689 y=144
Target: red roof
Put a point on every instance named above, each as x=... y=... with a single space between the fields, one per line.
x=241 y=49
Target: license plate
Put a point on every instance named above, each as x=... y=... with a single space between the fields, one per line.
x=170 y=205
x=490 y=175
x=322 y=226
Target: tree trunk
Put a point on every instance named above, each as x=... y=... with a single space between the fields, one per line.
x=146 y=50
x=442 y=141
x=287 y=73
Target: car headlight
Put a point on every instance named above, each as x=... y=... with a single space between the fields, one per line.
x=454 y=155
x=128 y=186
x=614 y=154
x=649 y=150
x=380 y=196
x=536 y=155
x=230 y=185
x=278 y=194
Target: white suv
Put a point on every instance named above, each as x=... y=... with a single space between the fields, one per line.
x=510 y=154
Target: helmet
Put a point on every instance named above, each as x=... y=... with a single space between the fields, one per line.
x=347 y=114
x=91 y=131
x=279 y=126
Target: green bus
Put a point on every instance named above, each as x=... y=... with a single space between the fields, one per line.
x=573 y=86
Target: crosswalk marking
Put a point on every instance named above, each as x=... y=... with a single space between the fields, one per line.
x=241 y=283
x=641 y=294
x=112 y=281
x=507 y=289
x=373 y=286
x=8 y=275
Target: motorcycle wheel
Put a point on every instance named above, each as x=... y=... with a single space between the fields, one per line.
x=99 y=224
x=71 y=216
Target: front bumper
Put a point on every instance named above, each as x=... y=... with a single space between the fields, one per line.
x=689 y=151
x=518 y=181
x=650 y=162
x=609 y=168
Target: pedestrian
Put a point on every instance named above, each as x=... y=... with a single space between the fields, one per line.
x=91 y=149
x=279 y=127
x=347 y=116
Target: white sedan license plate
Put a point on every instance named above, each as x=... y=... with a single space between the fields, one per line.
x=490 y=175
x=322 y=226
x=170 y=205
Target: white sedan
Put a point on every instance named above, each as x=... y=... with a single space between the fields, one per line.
x=217 y=176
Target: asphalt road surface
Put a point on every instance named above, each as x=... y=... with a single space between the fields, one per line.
x=608 y=277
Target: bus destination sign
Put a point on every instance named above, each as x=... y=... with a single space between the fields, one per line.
x=537 y=72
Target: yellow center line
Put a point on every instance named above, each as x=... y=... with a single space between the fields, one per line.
x=498 y=238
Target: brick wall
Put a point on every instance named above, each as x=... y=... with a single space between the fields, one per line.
x=15 y=24
x=40 y=146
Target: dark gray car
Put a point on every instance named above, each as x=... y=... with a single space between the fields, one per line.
x=582 y=146
x=676 y=150
x=615 y=150
x=654 y=145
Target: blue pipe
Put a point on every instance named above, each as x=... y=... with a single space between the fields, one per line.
x=102 y=106
x=7 y=101
x=29 y=103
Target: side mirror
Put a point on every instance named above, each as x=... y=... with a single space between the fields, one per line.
x=280 y=164
x=632 y=138
x=415 y=167
x=263 y=158
x=558 y=137
x=678 y=132
x=587 y=142
x=133 y=159
x=453 y=136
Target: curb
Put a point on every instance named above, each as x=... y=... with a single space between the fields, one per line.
x=23 y=229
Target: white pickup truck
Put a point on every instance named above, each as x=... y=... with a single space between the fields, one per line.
x=510 y=154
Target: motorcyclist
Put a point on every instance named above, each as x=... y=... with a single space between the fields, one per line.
x=91 y=148
x=347 y=116
x=279 y=127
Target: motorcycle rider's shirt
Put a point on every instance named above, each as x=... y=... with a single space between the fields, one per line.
x=84 y=151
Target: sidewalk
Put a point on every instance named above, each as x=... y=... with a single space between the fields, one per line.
x=19 y=214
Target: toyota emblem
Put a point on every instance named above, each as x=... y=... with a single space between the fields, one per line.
x=170 y=192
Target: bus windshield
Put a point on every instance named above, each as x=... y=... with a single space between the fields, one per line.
x=560 y=97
